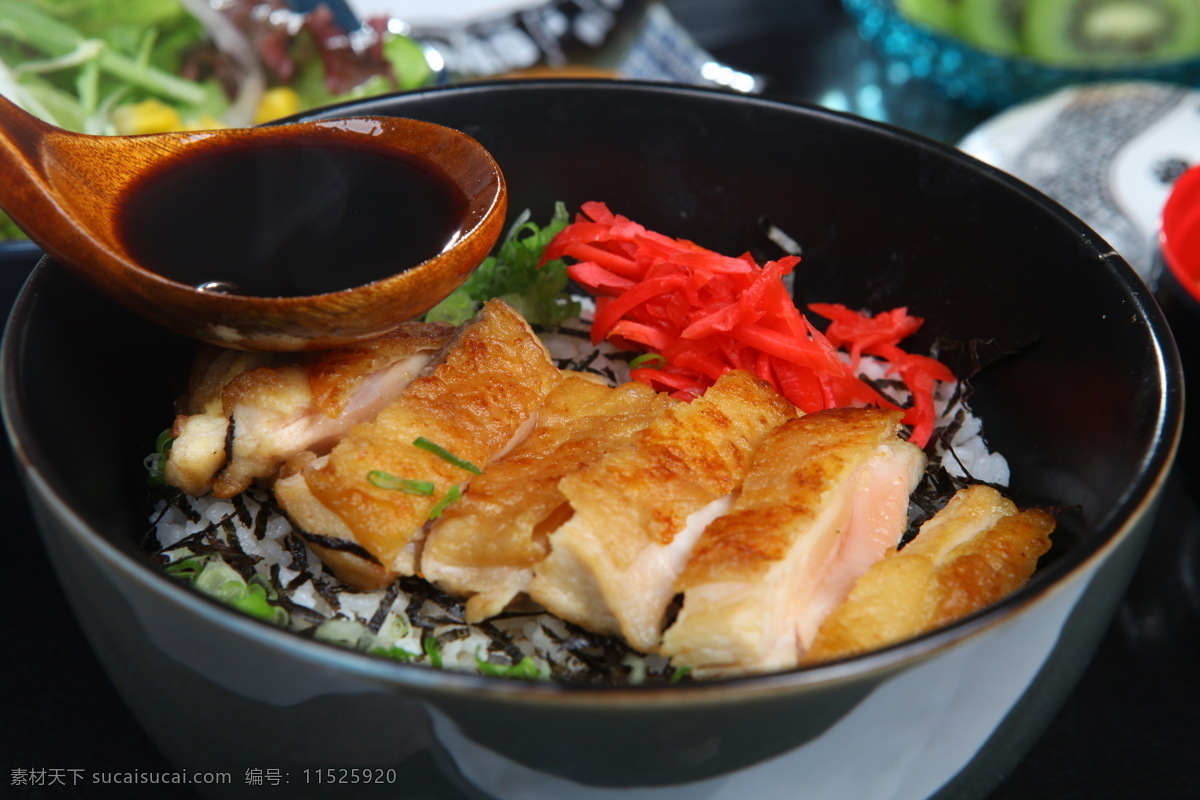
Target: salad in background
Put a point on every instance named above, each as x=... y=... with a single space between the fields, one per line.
x=149 y=66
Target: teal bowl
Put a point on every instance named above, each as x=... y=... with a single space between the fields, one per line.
x=986 y=79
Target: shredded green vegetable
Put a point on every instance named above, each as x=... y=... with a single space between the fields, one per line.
x=155 y=462
x=398 y=653
x=448 y=498
x=525 y=669
x=345 y=632
x=222 y=582
x=649 y=360
x=386 y=480
x=513 y=275
x=446 y=455
x=186 y=568
x=433 y=649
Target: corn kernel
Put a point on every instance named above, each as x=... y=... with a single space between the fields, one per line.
x=148 y=116
x=280 y=101
x=205 y=122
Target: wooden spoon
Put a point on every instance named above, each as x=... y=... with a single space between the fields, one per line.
x=68 y=192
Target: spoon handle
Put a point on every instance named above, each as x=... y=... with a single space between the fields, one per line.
x=20 y=132
x=55 y=184
x=21 y=138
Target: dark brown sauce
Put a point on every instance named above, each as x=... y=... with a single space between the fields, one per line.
x=289 y=220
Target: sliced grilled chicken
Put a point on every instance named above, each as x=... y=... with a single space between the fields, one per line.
x=252 y=412
x=827 y=495
x=973 y=552
x=486 y=545
x=386 y=477
x=637 y=512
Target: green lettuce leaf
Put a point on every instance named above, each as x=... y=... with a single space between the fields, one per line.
x=512 y=274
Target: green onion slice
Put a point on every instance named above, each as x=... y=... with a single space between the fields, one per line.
x=386 y=480
x=433 y=649
x=398 y=653
x=525 y=669
x=679 y=674
x=188 y=567
x=649 y=360
x=446 y=455
x=449 y=497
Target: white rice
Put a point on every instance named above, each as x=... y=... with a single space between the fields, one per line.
x=967 y=455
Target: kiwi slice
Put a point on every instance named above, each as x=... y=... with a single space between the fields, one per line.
x=941 y=15
x=993 y=24
x=1083 y=33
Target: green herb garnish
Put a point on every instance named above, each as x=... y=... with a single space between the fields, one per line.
x=513 y=275
x=398 y=653
x=525 y=669
x=222 y=582
x=345 y=632
x=185 y=568
x=254 y=601
x=433 y=649
x=650 y=360
x=448 y=498
x=386 y=480
x=156 y=461
x=446 y=455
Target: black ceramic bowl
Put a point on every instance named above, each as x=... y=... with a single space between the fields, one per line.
x=1087 y=412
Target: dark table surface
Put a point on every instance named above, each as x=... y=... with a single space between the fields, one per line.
x=1131 y=729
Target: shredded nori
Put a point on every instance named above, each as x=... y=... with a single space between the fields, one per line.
x=325 y=589
x=585 y=362
x=446 y=609
x=501 y=642
x=189 y=512
x=283 y=601
x=967 y=358
x=934 y=490
x=577 y=364
x=242 y=512
x=578 y=333
x=385 y=607
x=149 y=539
x=452 y=635
x=298 y=552
x=298 y=581
x=344 y=545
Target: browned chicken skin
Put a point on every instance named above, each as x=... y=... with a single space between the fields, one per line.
x=975 y=551
x=251 y=412
x=638 y=511
x=486 y=545
x=480 y=400
x=827 y=495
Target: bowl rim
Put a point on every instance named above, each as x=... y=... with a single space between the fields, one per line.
x=1138 y=500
